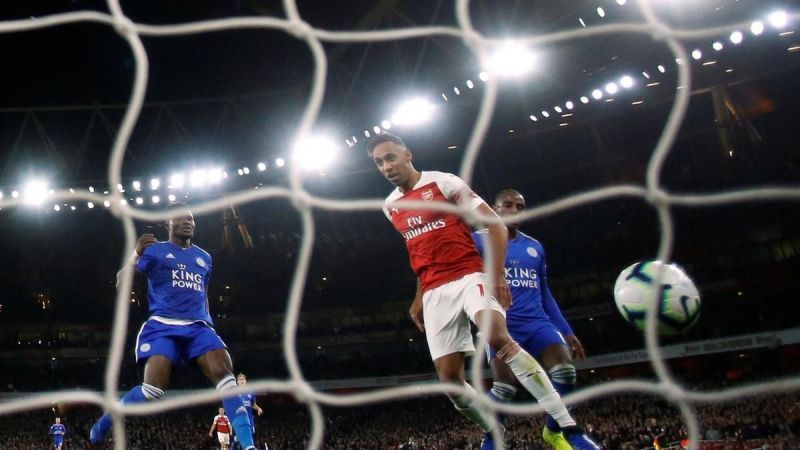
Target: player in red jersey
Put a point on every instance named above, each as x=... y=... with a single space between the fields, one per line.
x=223 y=426
x=451 y=285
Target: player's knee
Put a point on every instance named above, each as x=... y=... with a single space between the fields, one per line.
x=563 y=373
x=499 y=339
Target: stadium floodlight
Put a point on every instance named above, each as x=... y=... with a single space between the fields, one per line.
x=72 y=208
x=137 y=185
x=376 y=129
x=662 y=69
x=757 y=27
x=511 y=59
x=697 y=54
x=155 y=183
x=315 y=153
x=558 y=109
x=601 y=12
x=262 y=166
x=90 y=205
x=457 y=91
x=533 y=118
x=139 y=200
x=198 y=178
x=246 y=170
x=240 y=171
x=156 y=199
x=737 y=37
x=1 y=195
x=569 y=104
x=177 y=180
x=34 y=192
x=413 y=112
x=626 y=81
x=470 y=84
x=106 y=203
x=484 y=76
x=584 y=99
x=215 y=175
x=120 y=188
x=171 y=197
x=366 y=133
x=15 y=194
x=91 y=188
x=612 y=88
x=386 y=124
x=279 y=162
x=778 y=19
x=545 y=114
x=717 y=46
x=56 y=208
x=597 y=94
x=621 y=2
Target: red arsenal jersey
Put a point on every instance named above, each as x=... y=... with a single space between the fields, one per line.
x=440 y=246
x=223 y=424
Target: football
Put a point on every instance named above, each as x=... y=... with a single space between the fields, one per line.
x=677 y=298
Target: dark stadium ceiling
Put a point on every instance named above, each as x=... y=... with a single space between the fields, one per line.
x=88 y=64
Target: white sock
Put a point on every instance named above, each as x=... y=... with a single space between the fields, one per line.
x=466 y=406
x=534 y=379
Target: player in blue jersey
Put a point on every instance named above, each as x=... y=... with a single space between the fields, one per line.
x=179 y=329
x=58 y=431
x=535 y=321
x=249 y=400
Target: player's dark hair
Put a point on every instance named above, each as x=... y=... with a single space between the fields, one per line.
x=241 y=374
x=504 y=192
x=173 y=206
x=381 y=138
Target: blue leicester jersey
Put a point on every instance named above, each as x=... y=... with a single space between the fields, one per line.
x=526 y=274
x=177 y=280
x=249 y=399
x=58 y=430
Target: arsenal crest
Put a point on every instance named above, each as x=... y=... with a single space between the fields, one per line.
x=427 y=195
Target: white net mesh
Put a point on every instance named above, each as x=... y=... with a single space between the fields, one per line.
x=652 y=192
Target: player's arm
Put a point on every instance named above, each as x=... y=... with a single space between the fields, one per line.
x=497 y=241
x=552 y=310
x=143 y=242
x=213 y=425
x=257 y=408
x=415 y=311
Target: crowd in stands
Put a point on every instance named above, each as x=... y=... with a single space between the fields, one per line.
x=617 y=421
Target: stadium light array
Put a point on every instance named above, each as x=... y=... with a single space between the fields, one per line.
x=737 y=37
x=315 y=153
x=171 y=198
x=511 y=59
x=626 y=81
x=34 y=192
x=386 y=124
x=584 y=99
x=413 y=112
x=597 y=94
x=262 y=166
x=155 y=183
x=137 y=185
x=757 y=27
x=697 y=54
x=177 y=180
x=612 y=88
x=279 y=162
x=717 y=46
x=778 y=19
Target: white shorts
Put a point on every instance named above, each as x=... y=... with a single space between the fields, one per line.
x=448 y=309
x=224 y=438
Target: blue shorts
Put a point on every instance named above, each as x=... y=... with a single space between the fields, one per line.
x=58 y=442
x=534 y=336
x=180 y=343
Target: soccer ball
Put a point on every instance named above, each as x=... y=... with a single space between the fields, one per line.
x=678 y=299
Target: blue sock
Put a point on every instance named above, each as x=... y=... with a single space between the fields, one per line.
x=563 y=377
x=502 y=393
x=138 y=394
x=235 y=409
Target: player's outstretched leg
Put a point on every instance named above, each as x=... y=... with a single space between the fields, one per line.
x=450 y=369
x=218 y=368
x=532 y=377
x=141 y=393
